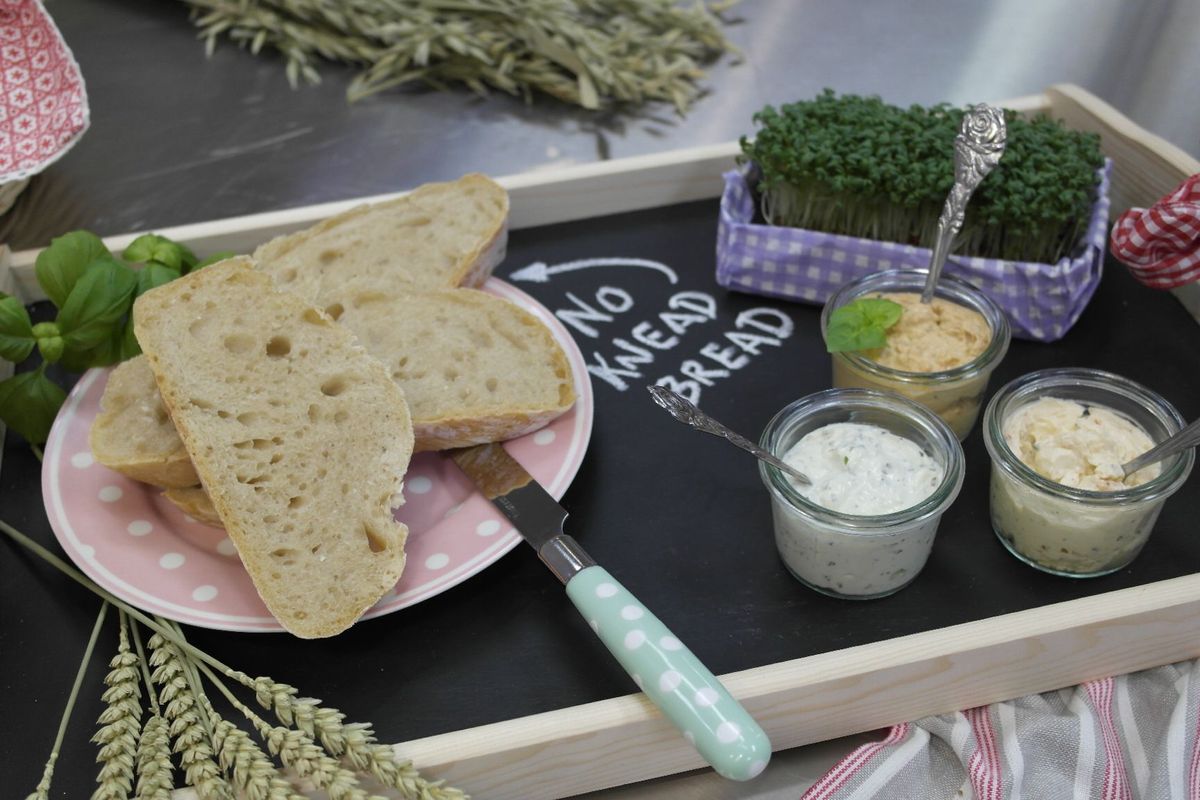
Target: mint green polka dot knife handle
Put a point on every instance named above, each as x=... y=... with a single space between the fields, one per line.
x=689 y=695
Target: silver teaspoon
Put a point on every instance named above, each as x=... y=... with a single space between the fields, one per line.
x=977 y=149
x=1188 y=436
x=687 y=413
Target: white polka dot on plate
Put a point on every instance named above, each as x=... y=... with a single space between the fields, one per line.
x=82 y=460
x=202 y=594
x=544 y=437
x=86 y=550
x=139 y=527
x=489 y=527
x=632 y=612
x=691 y=737
x=171 y=560
x=756 y=769
x=670 y=643
x=635 y=639
x=728 y=732
x=419 y=485
x=111 y=494
x=669 y=681
x=595 y=625
x=706 y=697
x=638 y=680
x=606 y=590
x=437 y=561
x=226 y=547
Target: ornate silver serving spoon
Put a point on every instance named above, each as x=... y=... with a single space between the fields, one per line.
x=687 y=413
x=977 y=149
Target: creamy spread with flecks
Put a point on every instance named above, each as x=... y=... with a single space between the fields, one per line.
x=859 y=470
x=932 y=337
x=863 y=469
x=1078 y=445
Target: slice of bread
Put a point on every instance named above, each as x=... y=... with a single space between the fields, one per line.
x=300 y=438
x=438 y=236
x=133 y=433
x=195 y=502
x=474 y=367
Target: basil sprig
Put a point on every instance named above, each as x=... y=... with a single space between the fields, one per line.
x=861 y=325
x=93 y=291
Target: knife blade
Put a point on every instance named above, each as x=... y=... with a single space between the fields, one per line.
x=687 y=693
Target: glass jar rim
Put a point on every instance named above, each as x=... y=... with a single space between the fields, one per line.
x=948 y=286
x=935 y=429
x=1173 y=475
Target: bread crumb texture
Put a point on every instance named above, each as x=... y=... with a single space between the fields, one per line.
x=299 y=437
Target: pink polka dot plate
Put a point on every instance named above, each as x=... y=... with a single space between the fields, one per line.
x=135 y=544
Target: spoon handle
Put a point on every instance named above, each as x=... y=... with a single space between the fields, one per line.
x=686 y=412
x=1188 y=436
x=977 y=149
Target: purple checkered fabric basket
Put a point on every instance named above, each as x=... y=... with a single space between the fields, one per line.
x=1042 y=300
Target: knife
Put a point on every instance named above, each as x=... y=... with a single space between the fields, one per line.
x=685 y=691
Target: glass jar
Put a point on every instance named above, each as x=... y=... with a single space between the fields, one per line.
x=848 y=555
x=1077 y=532
x=955 y=395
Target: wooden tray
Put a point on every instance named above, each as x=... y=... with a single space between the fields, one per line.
x=603 y=744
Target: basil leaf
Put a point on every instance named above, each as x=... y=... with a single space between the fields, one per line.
x=60 y=265
x=29 y=402
x=152 y=247
x=97 y=304
x=129 y=346
x=219 y=256
x=154 y=275
x=861 y=325
x=16 y=331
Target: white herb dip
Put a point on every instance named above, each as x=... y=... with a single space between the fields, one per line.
x=857 y=470
x=863 y=469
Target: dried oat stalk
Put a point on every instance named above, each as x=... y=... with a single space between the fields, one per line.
x=591 y=53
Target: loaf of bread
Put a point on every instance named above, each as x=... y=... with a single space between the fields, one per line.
x=474 y=367
x=438 y=236
x=133 y=433
x=195 y=502
x=299 y=437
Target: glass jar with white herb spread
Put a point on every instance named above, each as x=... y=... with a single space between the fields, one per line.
x=1059 y=501
x=945 y=364
x=883 y=471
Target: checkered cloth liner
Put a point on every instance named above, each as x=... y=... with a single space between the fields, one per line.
x=1043 y=301
x=1161 y=244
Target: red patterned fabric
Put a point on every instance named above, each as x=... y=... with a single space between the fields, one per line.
x=43 y=104
x=1161 y=244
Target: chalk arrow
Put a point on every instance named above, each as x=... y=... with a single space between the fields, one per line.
x=539 y=272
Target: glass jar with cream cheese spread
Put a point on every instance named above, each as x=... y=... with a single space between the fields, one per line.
x=949 y=351
x=1059 y=501
x=883 y=471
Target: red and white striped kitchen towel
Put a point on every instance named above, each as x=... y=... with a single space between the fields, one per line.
x=1161 y=244
x=1133 y=737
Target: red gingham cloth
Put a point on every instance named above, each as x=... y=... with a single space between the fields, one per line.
x=43 y=104
x=1161 y=244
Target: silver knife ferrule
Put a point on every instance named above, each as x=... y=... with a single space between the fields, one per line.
x=564 y=557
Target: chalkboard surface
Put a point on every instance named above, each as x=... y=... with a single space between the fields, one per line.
x=679 y=517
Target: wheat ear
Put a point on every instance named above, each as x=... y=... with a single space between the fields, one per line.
x=120 y=722
x=354 y=741
x=297 y=751
x=181 y=710
x=155 y=775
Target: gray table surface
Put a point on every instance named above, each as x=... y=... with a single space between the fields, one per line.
x=177 y=137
